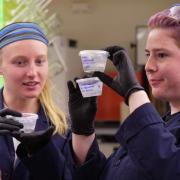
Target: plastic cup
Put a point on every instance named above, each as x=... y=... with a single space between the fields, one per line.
x=90 y=86
x=93 y=60
x=28 y=120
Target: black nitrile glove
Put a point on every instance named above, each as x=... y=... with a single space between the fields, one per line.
x=82 y=111
x=8 y=125
x=125 y=83
x=32 y=142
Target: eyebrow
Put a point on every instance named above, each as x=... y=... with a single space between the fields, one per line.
x=41 y=56
x=156 y=49
x=25 y=57
x=19 y=56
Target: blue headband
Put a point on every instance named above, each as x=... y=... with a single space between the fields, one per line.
x=21 y=31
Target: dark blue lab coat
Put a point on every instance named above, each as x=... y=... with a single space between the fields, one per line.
x=53 y=161
x=149 y=150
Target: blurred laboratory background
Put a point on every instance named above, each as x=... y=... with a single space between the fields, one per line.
x=74 y=25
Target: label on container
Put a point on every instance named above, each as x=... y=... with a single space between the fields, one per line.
x=90 y=86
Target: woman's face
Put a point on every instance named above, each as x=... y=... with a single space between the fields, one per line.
x=163 y=65
x=24 y=65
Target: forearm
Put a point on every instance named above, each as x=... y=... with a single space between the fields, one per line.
x=137 y=99
x=81 y=145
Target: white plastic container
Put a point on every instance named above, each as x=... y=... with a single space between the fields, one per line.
x=93 y=60
x=90 y=86
x=28 y=120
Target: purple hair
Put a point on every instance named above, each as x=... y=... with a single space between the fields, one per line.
x=166 y=20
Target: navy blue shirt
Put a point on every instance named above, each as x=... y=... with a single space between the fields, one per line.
x=149 y=150
x=53 y=161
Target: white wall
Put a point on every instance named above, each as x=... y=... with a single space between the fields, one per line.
x=107 y=22
x=72 y=68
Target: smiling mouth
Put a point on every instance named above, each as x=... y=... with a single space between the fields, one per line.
x=30 y=84
x=155 y=82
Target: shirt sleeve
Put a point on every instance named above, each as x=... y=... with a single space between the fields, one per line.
x=150 y=143
x=93 y=165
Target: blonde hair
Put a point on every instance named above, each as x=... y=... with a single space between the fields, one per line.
x=56 y=116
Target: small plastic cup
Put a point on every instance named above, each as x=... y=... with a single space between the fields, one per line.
x=28 y=120
x=90 y=86
x=93 y=60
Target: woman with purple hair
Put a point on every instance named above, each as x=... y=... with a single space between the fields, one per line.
x=150 y=145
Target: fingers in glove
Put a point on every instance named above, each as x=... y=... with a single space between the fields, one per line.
x=77 y=85
x=112 y=50
x=10 y=122
x=37 y=134
x=71 y=87
x=121 y=57
x=4 y=132
x=8 y=127
x=109 y=81
x=104 y=78
x=11 y=112
x=76 y=78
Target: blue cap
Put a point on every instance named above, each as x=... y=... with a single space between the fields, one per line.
x=21 y=31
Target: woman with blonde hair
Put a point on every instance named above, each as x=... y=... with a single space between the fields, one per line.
x=42 y=153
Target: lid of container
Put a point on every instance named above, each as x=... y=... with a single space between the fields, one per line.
x=93 y=52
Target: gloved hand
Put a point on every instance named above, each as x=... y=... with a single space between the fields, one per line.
x=8 y=125
x=125 y=83
x=82 y=110
x=33 y=141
